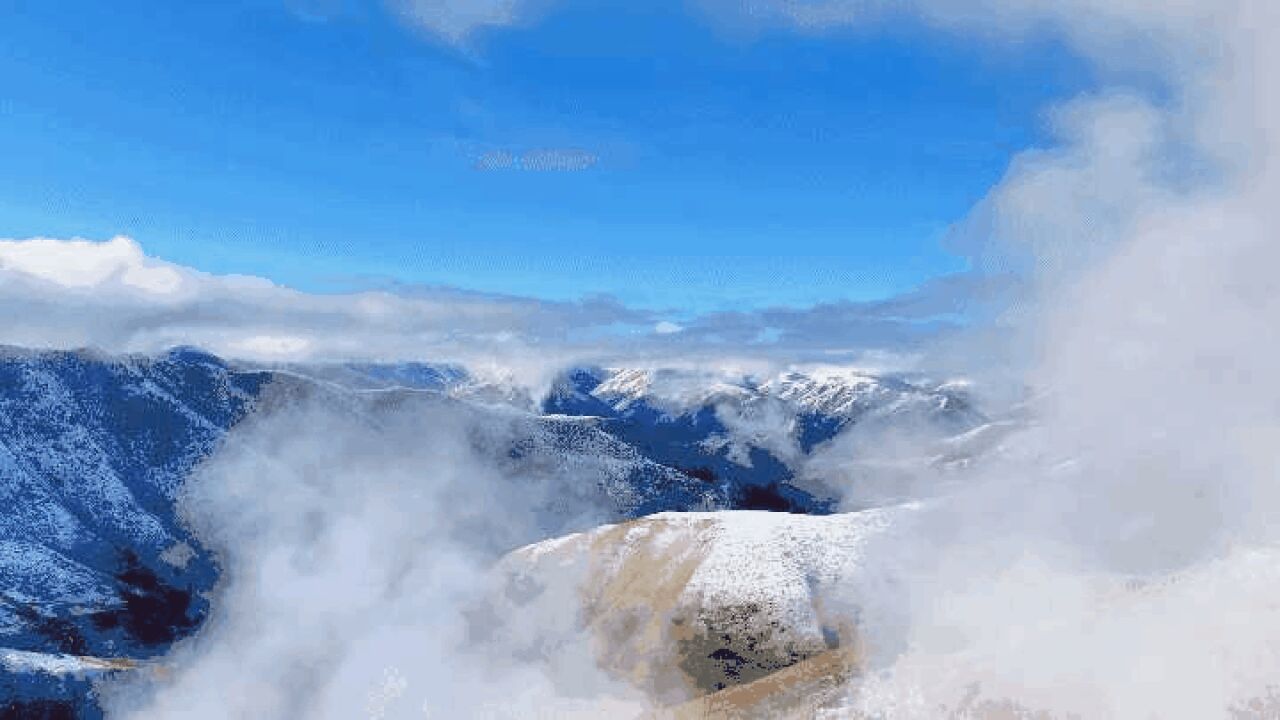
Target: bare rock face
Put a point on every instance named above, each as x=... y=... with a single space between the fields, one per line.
x=803 y=690
x=723 y=614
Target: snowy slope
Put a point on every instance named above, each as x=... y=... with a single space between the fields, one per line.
x=94 y=448
x=685 y=605
x=92 y=452
x=93 y=560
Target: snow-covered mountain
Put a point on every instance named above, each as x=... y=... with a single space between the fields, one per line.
x=93 y=449
x=696 y=609
x=754 y=437
x=97 y=567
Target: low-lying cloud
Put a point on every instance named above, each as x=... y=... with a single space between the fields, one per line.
x=355 y=537
x=112 y=295
x=1116 y=558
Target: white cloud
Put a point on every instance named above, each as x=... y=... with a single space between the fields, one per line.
x=1086 y=570
x=355 y=544
x=271 y=346
x=88 y=265
x=112 y=295
x=70 y=293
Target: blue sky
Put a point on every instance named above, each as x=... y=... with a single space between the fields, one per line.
x=732 y=168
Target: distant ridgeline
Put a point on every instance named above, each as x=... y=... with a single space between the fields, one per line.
x=746 y=438
x=95 y=562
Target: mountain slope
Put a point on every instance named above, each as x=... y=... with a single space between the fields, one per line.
x=95 y=559
x=754 y=438
x=687 y=606
x=93 y=450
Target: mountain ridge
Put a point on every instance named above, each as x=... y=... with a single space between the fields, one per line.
x=95 y=448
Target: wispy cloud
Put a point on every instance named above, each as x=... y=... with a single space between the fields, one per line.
x=454 y=21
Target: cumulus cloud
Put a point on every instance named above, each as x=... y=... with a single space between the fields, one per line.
x=1090 y=567
x=112 y=295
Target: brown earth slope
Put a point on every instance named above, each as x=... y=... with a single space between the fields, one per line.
x=707 y=614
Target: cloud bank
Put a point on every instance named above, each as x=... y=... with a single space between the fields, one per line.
x=112 y=295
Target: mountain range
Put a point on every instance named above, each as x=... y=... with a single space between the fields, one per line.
x=99 y=569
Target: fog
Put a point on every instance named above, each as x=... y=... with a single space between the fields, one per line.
x=1118 y=557
x=355 y=537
